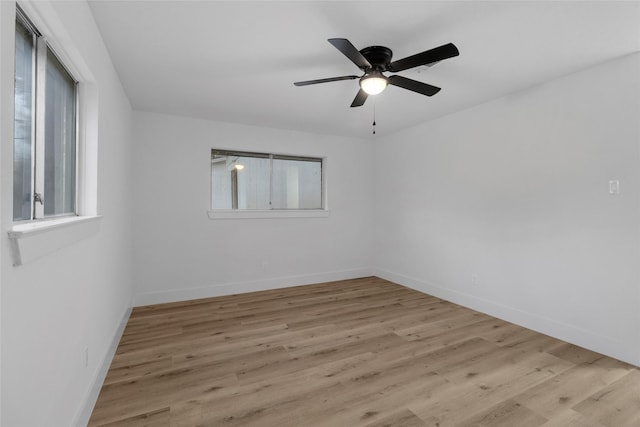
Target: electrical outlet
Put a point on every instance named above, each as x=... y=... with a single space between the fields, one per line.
x=474 y=279
x=86 y=357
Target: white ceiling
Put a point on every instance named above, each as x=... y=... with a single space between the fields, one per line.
x=236 y=61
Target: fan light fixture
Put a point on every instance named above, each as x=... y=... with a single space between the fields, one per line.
x=238 y=166
x=373 y=83
x=375 y=60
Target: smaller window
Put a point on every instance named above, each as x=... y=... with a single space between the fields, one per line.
x=261 y=181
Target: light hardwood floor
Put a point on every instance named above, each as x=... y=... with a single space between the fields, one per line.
x=362 y=352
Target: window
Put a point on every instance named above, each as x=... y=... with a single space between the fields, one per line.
x=45 y=128
x=261 y=181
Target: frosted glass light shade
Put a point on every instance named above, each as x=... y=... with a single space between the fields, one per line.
x=373 y=85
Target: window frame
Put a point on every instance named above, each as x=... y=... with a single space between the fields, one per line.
x=35 y=238
x=322 y=211
x=41 y=49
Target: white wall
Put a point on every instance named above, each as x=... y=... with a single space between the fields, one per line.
x=75 y=298
x=505 y=207
x=180 y=253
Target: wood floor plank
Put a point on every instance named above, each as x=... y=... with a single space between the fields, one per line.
x=555 y=395
x=573 y=353
x=616 y=404
x=362 y=353
x=122 y=400
x=484 y=382
x=528 y=340
x=402 y=418
x=506 y=414
x=137 y=370
x=248 y=403
x=158 y=418
x=322 y=356
x=571 y=418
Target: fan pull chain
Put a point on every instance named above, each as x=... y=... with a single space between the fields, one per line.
x=374 y=118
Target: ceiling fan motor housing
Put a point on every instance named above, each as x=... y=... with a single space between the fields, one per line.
x=378 y=56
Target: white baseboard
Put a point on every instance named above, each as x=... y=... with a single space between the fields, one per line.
x=148 y=298
x=82 y=419
x=624 y=351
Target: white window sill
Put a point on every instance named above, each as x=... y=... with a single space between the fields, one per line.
x=35 y=239
x=247 y=214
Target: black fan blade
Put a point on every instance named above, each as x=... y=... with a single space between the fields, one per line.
x=445 y=51
x=358 y=101
x=350 y=51
x=413 y=85
x=331 y=79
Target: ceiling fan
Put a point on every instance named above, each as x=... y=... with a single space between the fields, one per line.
x=374 y=60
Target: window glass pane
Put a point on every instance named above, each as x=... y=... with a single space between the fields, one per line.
x=239 y=181
x=297 y=184
x=22 y=137
x=221 y=197
x=60 y=140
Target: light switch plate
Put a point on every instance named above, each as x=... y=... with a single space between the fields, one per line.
x=614 y=186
